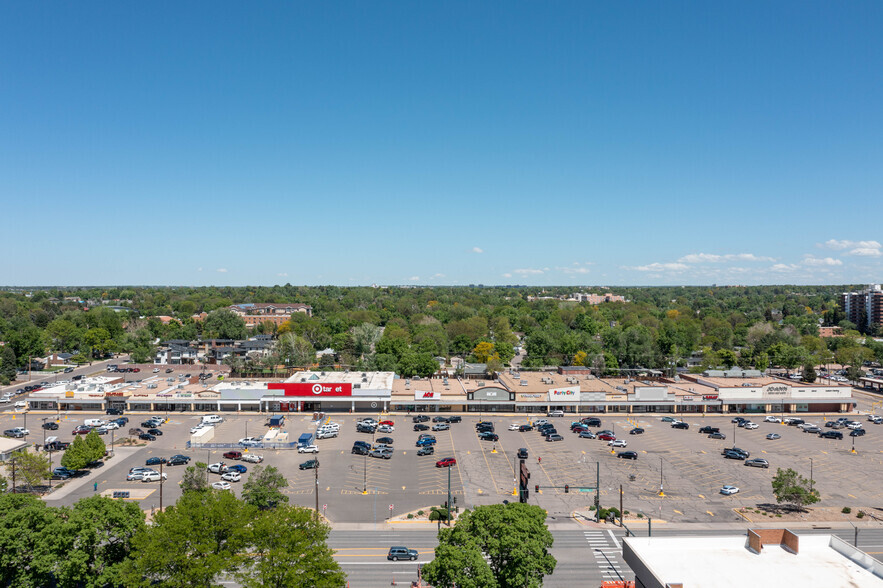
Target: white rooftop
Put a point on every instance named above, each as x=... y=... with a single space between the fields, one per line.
x=727 y=562
x=367 y=380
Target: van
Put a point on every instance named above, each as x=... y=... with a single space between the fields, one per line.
x=94 y=422
x=556 y=413
x=212 y=419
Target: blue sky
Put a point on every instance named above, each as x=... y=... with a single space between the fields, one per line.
x=351 y=143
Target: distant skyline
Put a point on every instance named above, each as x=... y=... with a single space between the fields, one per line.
x=350 y=143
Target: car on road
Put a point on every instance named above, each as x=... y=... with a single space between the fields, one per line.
x=717 y=435
x=426 y=450
x=147 y=437
x=522 y=453
x=217 y=468
x=606 y=437
x=155 y=461
x=421 y=427
x=446 y=462
x=398 y=552
x=773 y=436
x=729 y=490
x=680 y=425
x=668 y=419
x=750 y=425
x=757 y=462
x=554 y=437
x=636 y=431
x=420 y=418
x=831 y=435
x=308 y=449
x=233 y=455
x=857 y=433
x=179 y=460
x=385 y=429
x=222 y=485
x=50 y=426
x=441 y=427
x=586 y=435
x=627 y=455
x=381 y=452
x=772 y=419
x=310 y=464
x=617 y=443
x=488 y=436
x=231 y=476
x=153 y=477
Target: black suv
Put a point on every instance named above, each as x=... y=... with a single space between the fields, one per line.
x=680 y=425
x=397 y=552
x=522 y=453
x=114 y=411
x=421 y=427
x=420 y=418
x=178 y=460
x=455 y=419
x=361 y=448
x=592 y=422
x=360 y=428
x=740 y=452
x=831 y=435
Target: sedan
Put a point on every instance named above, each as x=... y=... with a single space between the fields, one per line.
x=514 y=427
x=617 y=443
x=668 y=419
x=587 y=435
x=757 y=463
x=488 y=436
x=636 y=431
x=50 y=426
x=441 y=427
x=773 y=436
x=751 y=425
x=554 y=437
x=155 y=460
x=222 y=485
x=385 y=429
x=387 y=423
x=81 y=430
x=606 y=437
x=309 y=464
x=155 y=432
x=733 y=455
x=422 y=418
x=857 y=433
x=525 y=428
x=446 y=462
x=238 y=468
x=717 y=435
x=421 y=427
x=179 y=460
x=627 y=455
x=308 y=449
x=385 y=440
x=147 y=437
x=729 y=490
x=772 y=419
x=231 y=477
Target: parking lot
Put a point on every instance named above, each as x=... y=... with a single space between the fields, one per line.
x=688 y=465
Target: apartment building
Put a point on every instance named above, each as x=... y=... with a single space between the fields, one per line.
x=864 y=308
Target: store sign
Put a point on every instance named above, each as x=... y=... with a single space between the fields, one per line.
x=710 y=397
x=530 y=396
x=420 y=395
x=69 y=394
x=564 y=394
x=312 y=389
x=776 y=390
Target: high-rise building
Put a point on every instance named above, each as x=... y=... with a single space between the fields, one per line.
x=864 y=308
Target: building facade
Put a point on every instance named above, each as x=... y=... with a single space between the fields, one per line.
x=864 y=308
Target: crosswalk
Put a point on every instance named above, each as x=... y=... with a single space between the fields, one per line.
x=607 y=552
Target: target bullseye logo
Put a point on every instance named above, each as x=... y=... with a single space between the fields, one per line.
x=317 y=388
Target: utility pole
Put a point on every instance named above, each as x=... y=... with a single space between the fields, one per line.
x=597 y=491
x=317 y=489
x=50 y=468
x=448 y=517
x=620 y=505
x=810 y=475
x=160 y=486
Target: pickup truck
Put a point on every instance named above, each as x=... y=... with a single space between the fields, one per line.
x=17 y=432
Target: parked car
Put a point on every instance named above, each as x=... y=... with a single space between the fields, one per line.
x=360 y=428
x=385 y=440
x=50 y=426
x=233 y=455
x=733 y=455
x=627 y=455
x=179 y=460
x=525 y=428
x=250 y=441
x=421 y=427
x=360 y=450
x=420 y=418
x=252 y=458
x=147 y=437
x=586 y=435
x=592 y=421
x=717 y=435
x=217 y=468
x=680 y=425
x=385 y=429
x=439 y=419
x=155 y=432
x=231 y=476
x=757 y=462
x=425 y=441
x=617 y=443
x=729 y=490
x=488 y=436
x=426 y=450
x=831 y=435
x=811 y=429
x=514 y=427
x=222 y=485
x=388 y=423
x=441 y=427
x=857 y=433
x=381 y=452
x=606 y=437
x=522 y=453
x=554 y=437
x=308 y=449
x=446 y=462
x=455 y=419
x=742 y=452
x=708 y=430
x=153 y=476
x=155 y=461
x=668 y=419
x=309 y=465
x=773 y=436
x=398 y=552
x=636 y=431
x=326 y=434
x=750 y=425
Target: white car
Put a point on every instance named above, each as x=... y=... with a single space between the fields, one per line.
x=368 y=422
x=21 y=404
x=250 y=441
x=198 y=428
x=221 y=485
x=539 y=422
x=326 y=434
x=251 y=458
x=385 y=429
x=805 y=425
x=152 y=476
x=112 y=425
x=772 y=419
x=729 y=490
x=231 y=477
x=751 y=425
x=155 y=370
x=854 y=426
x=514 y=427
x=217 y=468
x=308 y=449
x=330 y=427
x=618 y=443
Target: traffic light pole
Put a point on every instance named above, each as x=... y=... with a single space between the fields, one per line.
x=448 y=517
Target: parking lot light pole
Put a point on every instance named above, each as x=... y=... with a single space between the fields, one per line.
x=317 y=489
x=44 y=433
x=810 y=475
x=661 y=493
x=734 y=433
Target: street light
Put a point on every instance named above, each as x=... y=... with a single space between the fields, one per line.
x=317 y=488
x=810 y=475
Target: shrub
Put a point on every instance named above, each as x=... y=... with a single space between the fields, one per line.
x=420 y=513
x=613 y=511
x=592 y=507
x=846 y=510
x=410 y=516
x=778 y=515
x=438 y=514
x=625 y=512
x=640 y=515
x=861 y=514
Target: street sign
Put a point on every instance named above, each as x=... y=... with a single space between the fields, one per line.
x=586 y=489
x=390 y=507
x=324 y=506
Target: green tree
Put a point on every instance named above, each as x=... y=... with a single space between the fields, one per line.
x=95 y=447
x=191 y=543
x=98 y=339
x=77 y=455
x=95 y=540
x=809 y=373
x=31 y=467
x=263 y=489
x=511 y=540
x=224 y=324
x=288 y=549
x=417 y=364
x=25 y=560
x=792 y=488
x=195 y=478
x=7 y=364
x=295 y=350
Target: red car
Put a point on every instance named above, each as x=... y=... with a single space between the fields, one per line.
x=390 y=423
x=446 y=462
x=607 y=437
x=81 y=430
x=233 y=455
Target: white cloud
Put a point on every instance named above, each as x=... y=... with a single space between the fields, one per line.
x=660 y=267
x=528 y=272
x=199 y=269
x=714 y=258
x=573 y=270
x=282 y=274
x=507 y=275
x=477 y=250
x=414 y=278
x=783 y=267
x=820 y=262
x=435 y=276
x=222 y=270
x=866 y=252
x=859 y=248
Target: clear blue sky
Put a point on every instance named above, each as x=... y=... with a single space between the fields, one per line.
x=447 y=142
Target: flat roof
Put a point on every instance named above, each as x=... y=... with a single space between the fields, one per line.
x=727 y=562
x=366 y=380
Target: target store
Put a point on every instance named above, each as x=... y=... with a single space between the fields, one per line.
x=330 y=392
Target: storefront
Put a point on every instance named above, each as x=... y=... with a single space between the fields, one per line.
x=323 y=397
x=491 y=399
x=566 y=399
x=781 y=397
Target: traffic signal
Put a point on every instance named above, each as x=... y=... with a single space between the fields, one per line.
x=566 y=488
x=455 y=500
x=536 y=488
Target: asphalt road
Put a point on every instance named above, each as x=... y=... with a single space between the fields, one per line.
x=97 y=367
